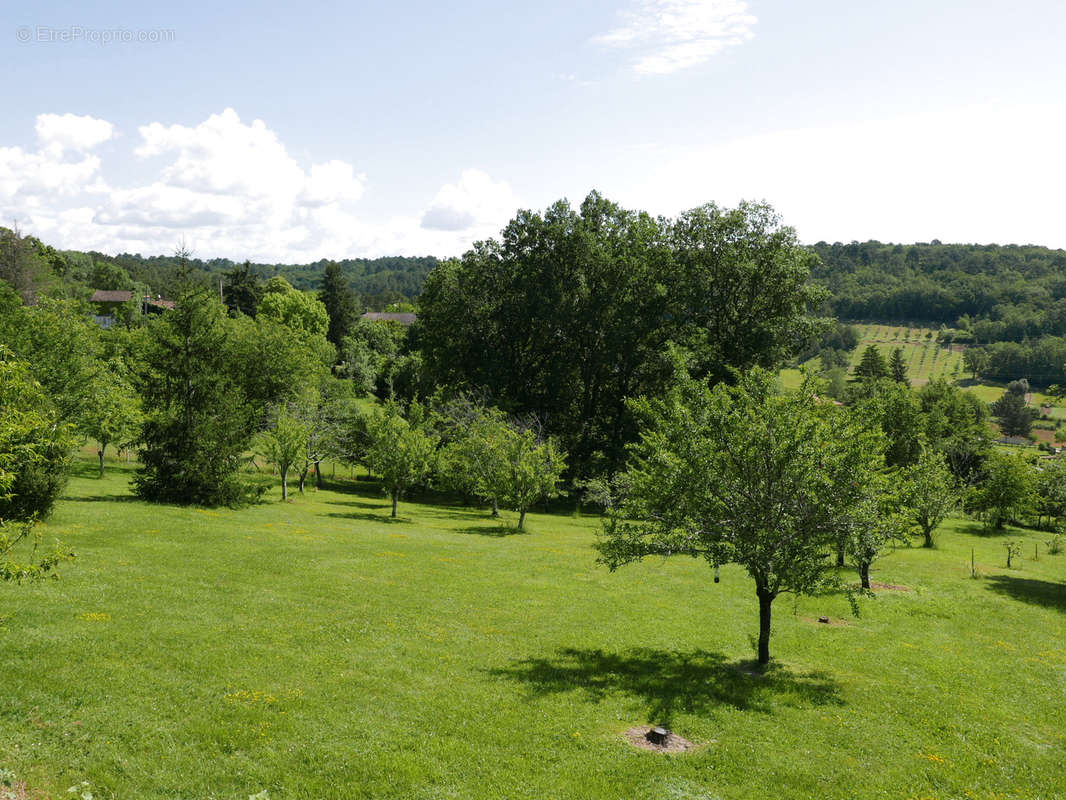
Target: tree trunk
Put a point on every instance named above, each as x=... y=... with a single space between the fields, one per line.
x=840 y=553
x=100 y=453
x=318 y=475
x=928 y=538
x=495 y=509
x=394 y=498
x=765 y=600
x=284 y=484
x=521 y=519
x=864 y=574
x=303 y=480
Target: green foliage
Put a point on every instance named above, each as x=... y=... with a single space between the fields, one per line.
x=741 y=474
x=198 y=418
x=956 y=424
x=298 y=311
x=340 y=304
x=283 y=444
x=22 y=558
x=898 y=367
x=999 y=293
x=402 y=450
x=873 y=523
x=1014 y=415
x=928 y=492
x=872 y=364
x=110 y=411
x=896 y=409
x=34 y=445
x=207 y=382
x=571 y=311
x=531 y=471
x=242 y=290
x=1006 y=489
x=1014 y=549
x=472 y=457
x=23 y=264
x=369 y=352
x=976 y=361
x=59 y=343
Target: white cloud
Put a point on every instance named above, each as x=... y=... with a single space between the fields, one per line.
x=475 y=204
x=985 y=174
x=671 y=35
x=59 y=132
x=229 y=189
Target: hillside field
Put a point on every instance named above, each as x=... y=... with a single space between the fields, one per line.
x=316 y=649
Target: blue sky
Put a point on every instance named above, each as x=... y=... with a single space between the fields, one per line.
x=277 y=131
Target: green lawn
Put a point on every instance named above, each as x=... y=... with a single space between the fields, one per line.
x=925 y=358
x=315 y=649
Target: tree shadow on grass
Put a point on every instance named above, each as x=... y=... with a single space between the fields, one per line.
x=1029 y=590
x=100 y=498
x=357 y=504
x=456 y=512
x=497 y=530
x=669 y=682
x=384 y=516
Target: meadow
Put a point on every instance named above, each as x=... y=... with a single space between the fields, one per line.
x=316 y=649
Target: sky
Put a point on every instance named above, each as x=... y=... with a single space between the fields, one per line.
x=284 y=132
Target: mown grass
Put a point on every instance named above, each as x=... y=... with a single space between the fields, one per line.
x=315 y=649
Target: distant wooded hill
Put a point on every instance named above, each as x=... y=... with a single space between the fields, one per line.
x=378 y=281
x=998 y=292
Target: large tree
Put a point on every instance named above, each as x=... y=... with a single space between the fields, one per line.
x=340 y=303
x=570 y=312
x=1014 y=415
x=743 y=474
x=208 y=382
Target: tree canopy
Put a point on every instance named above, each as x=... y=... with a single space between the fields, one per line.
x=747 y=475
x=571 y=312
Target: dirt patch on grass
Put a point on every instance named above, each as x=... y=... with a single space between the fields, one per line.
x=831 y=622
x=892 y=587
x=638 y=737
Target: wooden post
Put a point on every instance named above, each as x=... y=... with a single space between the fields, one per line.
x=973 y=569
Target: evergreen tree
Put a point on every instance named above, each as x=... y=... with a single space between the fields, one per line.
x=198 y=421
x=340 y=303
x=242 y=290
x=872 y=364
x=1014 y=416
x=898 y=367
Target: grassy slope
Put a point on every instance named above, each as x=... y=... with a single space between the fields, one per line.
x=317 y=650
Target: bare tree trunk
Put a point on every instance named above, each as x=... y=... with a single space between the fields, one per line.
x=495 y=509
x=100 y=453
x=303 y=480
x=284 y=484
x=864 y=574
x=394 y=498
x=840 y=553
x=521 y=519
x=765 y=601
x=318 y=475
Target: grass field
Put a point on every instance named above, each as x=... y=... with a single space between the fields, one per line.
x=925 y=359
x=315 y=649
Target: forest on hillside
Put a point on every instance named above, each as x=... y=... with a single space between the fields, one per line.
x=378 y=282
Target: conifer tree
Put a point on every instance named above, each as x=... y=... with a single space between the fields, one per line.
x=340 y=303
x=898 y=367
